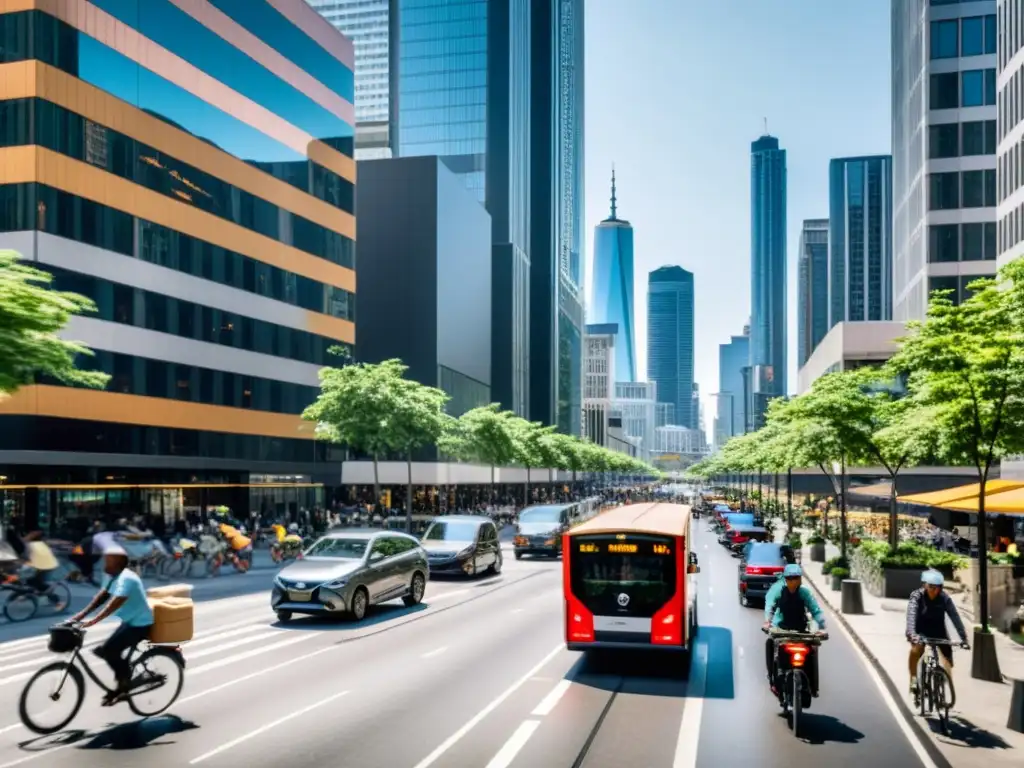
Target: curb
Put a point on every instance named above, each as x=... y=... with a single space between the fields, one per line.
x=923 y=736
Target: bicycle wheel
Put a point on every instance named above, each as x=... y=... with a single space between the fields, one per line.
x=798 y=700
x=923 y=689
x=213 y=564
x=58 y=596
x=20 y=606
x=67 y=684
x=942 y=696
x=157 y=677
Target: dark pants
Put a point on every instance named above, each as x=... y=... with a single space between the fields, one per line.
x=810 y=666
x=117 y=648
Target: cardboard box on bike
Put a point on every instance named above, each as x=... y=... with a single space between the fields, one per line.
x=173 y=620
x=171 y=590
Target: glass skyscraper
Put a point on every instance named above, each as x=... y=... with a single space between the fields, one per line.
x=733 y=359
x=860 y=239
x=612 y=299
x=812 y=290
x=463 y=93
x=670 y=339
x=768 y=357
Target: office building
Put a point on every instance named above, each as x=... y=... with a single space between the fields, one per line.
x=768 y=285
x=612 y=299
x=679 y=441
x=556 y=213
x=367 y=24
x=198 y=185
x=860 y=239
x=851 y=345
x=733 y=362
x=425 y=277
x=664 y=413
x=812 y=287
x=598 y=380
x=461 y=90
x=635 y=404
x=695 y=407
x=943 y=149
x=670 y=311
x=1010 y=147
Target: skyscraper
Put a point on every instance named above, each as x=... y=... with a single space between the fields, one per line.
x=812 y=290
x=768 y=320
x=1011 y=132
x=612 y=300
x=670 y=339
x=733 y=359
x=556 y=212
x=366 y=24
x=860 y=239
x=463 y=93
x=943 y=149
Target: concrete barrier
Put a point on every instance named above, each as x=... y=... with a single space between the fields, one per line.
x=1015 y=722
x=852 y=597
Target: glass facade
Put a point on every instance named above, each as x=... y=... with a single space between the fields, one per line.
x=1010 y=109
x=860 y=239
x=202 y=192
x=612 y=299
x=768 y=323
x=733 y=358
x=813 y=296
x=670 y=311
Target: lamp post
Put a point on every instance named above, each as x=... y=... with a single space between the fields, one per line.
x=839 y=467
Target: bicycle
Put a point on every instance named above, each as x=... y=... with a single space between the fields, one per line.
x=70 y=638
x=793 y=684
x=22 y=603
x=932 y=682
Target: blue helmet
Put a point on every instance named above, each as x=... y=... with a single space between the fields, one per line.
x=792 y=571
x=932 y=578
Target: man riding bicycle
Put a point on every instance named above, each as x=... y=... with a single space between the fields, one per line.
x=786 y=607
x=927 y=610
x=241 y=545
x=130 y=605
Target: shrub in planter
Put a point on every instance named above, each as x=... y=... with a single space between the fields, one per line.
x=838 y=574
x=795 y=541
x=832 y=563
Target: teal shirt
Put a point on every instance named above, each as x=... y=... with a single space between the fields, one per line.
x=771 y=601
x=136 y=611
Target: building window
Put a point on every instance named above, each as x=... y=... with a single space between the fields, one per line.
x=979 y=137
x=943 y=140
x=972 y=39
x=974 y=189
x=943 y=245
x=943 y=191
x=990 y=87
x=950 y=283
x=944 y=39
x=943 y=92
x=973 y=92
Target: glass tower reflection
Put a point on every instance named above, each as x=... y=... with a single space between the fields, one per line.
x=670 y=298
x=612 y=299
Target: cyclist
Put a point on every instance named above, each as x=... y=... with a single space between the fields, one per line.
x=41 y=560
x=927 y=610
x=241 y=545
x=786 y=607
x=130 y=605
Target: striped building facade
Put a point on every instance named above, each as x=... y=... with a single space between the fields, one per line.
x=188 y=165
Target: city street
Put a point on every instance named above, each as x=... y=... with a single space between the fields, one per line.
x=476 y=677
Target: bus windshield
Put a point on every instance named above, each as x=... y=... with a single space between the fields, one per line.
x=633 y=578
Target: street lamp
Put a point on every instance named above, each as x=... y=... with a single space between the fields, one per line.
x=839 y=467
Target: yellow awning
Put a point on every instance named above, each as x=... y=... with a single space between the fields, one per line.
x=1008 y=502
x=962 y=493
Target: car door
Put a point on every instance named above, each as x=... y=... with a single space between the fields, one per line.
x=383 y=569
x=489 y=544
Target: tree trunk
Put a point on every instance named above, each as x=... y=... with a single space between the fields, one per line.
x=789 y=500
x=842 y=510
x=983 y=552
x=408 y=494
x=526 y=490
x=492 y=486
x=894 y=527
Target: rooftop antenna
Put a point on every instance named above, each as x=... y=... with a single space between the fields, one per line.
x=613 y=191
x=766 y=127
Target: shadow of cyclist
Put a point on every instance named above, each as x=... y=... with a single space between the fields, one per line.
x=134 y=735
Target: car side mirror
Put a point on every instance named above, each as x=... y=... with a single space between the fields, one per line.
x=694 y=568
x=376 y=556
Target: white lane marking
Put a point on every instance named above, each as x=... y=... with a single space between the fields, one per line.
x=890 y=702
x=234 y=644
x=693 y=710
x=711 y=590
x=268 y=727
x=446 y=595
x=515 y=743
x=516 y=610
x=452 y=740
x=741 y=651
x=10 y=728
x=710 y=604
x=248 y=654
x=549 y=702
x=435 y=652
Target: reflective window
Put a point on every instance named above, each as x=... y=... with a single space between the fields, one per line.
x=943 y=191
x=943 y=245
x=973 y=36
x=973 y=189
x=979 y=137
x=943 y=140
x=973 y=91
x=944 y=91
x=944 y=39
x=950 y=283
x=990 y=87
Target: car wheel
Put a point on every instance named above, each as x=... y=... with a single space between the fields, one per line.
x=416 y=590
x=519 y=555
x=360 y=602
x=743 y=600
x=495 y=568
x=284 y=616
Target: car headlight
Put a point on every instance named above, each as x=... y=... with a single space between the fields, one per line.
x=278 y=584
x=337 y=583
x=549 y=543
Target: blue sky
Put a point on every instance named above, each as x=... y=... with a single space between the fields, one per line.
x=675 y=92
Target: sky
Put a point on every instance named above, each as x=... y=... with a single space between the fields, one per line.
x=676 y=90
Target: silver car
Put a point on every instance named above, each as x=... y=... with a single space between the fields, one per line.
x=347 y=572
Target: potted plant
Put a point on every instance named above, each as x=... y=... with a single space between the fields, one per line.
x=817 y=545
x=832 y=563
x=838 y=574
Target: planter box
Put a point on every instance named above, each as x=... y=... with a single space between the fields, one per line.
x=837 y=583
x=818 y=553
x=896 y=583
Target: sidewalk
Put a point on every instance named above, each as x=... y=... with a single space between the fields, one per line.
x=978 y=732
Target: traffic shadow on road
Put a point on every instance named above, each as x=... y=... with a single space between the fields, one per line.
x=823 y=729
x=964 y=733
x=120 y=736
x=375 y=614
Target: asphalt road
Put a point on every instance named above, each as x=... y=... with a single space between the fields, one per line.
x=477 y=677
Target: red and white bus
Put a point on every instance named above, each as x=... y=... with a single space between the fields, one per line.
x=628 y=580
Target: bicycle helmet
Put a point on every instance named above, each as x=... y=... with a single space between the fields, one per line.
x=792 y=571
x=932 y=578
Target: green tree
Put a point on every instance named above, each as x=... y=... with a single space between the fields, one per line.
x=965 y=369
x=486 y=435
x=31 y=317
x=534 y=448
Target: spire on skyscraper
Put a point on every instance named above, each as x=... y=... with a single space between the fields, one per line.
x=613 y=216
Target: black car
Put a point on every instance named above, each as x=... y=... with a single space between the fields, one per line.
x=761 y=566
x=540 y=528
x=462 y=545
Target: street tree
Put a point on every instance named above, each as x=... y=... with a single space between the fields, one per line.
x=486 y=435
x=31 y=318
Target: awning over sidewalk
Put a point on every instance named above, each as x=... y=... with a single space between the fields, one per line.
x=1009 y=502
x=948 y=497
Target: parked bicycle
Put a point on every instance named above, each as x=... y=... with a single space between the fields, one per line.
x=63 y=681
x=23 y=600
x=935 y=691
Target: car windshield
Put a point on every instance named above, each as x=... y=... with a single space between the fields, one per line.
x=340 y=549
x=447 y=530
x=541 y=515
